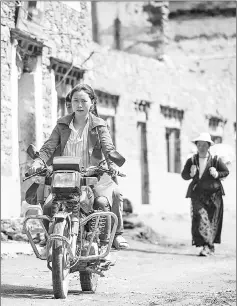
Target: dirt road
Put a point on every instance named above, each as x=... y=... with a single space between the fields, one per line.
x=146 y=275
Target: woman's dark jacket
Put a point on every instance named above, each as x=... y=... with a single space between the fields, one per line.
x=206 y=176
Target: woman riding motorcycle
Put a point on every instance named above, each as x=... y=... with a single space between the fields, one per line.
x=84 y=135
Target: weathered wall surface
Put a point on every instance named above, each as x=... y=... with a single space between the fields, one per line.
x=66 y=34
x=10 y=184
x=198 y=75
x=27 y=128
x=169 y=83
x=7 y=22
x=140 y=34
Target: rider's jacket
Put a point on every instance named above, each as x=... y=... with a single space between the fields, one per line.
x=100 y=142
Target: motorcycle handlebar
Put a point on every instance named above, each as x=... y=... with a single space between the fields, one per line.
x=43 y=172
x=97 y=170
x=27 y=176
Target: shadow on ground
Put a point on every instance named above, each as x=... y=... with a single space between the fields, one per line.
x=159 y=252
x=28 y=292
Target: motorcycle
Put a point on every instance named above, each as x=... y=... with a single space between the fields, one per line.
x=73 y=243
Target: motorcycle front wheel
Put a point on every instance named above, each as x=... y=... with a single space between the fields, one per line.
x=60 y=262
x=88 y=279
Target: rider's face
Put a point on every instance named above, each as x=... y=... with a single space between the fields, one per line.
x=81 y=103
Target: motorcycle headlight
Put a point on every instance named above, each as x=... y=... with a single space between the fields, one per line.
x=65 y=179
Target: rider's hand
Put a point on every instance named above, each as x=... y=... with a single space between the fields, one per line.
x=193 y=170
x=49 y=171
x=114 y=169
x=36 y=166
x=213 y=172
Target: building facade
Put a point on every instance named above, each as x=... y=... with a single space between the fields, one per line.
x=154 y=105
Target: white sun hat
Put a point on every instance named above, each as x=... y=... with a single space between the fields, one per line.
x=204 y=137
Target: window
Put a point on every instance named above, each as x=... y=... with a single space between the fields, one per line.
x=173 y=150
x=173 y=119
x=216 y=139
x=66 y=77
x=216 y=128
x=35 y=11
x=30 y=18
x=142 y=135
x=106 y=107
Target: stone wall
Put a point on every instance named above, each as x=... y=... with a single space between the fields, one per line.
x=140 y=31
x=7 y=22
x=10 y=184
x=66 y=36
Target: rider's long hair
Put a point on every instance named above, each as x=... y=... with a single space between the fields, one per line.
x=89 y=90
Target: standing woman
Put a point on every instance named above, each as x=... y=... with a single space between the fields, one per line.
x=206 y=193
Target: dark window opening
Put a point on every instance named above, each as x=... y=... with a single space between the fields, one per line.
x=216 y=139
x=142 y=134
x=173 y=150
x=32 y=7
x=34 y=14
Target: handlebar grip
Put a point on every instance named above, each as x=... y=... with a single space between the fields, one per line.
x=27 y=176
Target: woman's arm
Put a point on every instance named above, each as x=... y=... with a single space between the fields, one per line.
x=222 y=169
x=50 y=145
x=186 y=171
x=106 y=142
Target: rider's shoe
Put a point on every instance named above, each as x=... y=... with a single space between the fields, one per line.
x=120 y=243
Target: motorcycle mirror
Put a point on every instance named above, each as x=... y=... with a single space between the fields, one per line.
x=117 y=158
x=32 y=152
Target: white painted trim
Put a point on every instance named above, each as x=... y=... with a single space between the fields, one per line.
x=141 y=116
x=106 y=111
x=54 y=99
x=172 y=123
x=15 y=201
x=76 y=5
x=38 y=103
